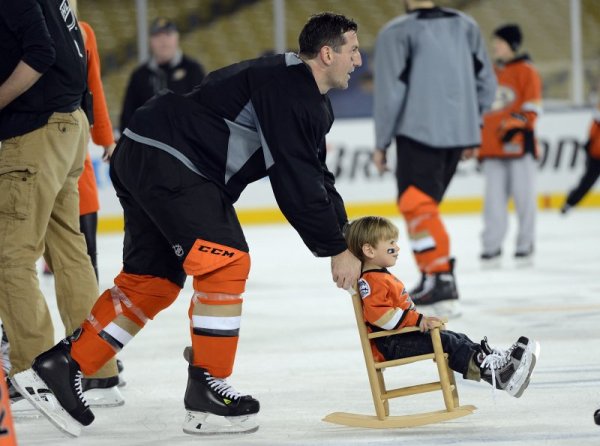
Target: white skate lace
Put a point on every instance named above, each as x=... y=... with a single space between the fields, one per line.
x=79 y=388
x=222 y=387
x=495 y=361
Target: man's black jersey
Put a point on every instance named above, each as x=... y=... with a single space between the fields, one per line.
x=252 y=119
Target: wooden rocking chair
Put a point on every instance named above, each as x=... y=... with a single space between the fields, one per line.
x=381 y=395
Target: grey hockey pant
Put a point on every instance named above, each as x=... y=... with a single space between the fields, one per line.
x=505 y=179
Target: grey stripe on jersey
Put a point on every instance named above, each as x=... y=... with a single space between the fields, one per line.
x=243 y=143
x=245 y=138
x=165 y=147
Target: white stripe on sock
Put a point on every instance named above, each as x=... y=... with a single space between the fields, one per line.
x=118 y=333
x=218 y=323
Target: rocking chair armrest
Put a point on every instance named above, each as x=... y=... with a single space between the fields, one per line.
x=442 y=323
x=380 y=334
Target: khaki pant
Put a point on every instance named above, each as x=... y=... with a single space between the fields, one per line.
x=39 y=214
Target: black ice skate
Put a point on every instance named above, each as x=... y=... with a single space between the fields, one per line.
x=524 y=258
x=120 y=368
x=206 y=395
x=491 y=260
x=53 y=386
x=509 y=370
x=5 y=351
x=438 y=290
x=419 y=287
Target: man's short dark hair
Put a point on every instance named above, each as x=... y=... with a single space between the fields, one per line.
x=324 y=29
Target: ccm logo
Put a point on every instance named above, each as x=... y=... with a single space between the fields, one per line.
x=215 y=251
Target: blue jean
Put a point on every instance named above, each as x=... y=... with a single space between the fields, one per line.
x=459 y=347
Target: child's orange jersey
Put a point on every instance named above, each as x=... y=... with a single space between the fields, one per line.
x=386 y=303
x=101 y=131
x=508 y=128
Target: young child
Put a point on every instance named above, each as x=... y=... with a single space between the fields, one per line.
x=508 y=152
x=387 y=306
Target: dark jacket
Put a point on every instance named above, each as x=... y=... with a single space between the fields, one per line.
x=180 y=76
x=48 y=39
x=256 y=118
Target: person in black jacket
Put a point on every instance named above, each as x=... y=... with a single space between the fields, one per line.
x=44 y=134
x=178 y=169
x=167 y=68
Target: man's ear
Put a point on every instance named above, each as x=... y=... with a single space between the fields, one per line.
x=325 y=55
x=368 y=251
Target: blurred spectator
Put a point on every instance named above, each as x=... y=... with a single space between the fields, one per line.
x=167 y=68
x=509 y=151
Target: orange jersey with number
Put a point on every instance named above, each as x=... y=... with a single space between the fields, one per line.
x=386 y=303
x=519 y=93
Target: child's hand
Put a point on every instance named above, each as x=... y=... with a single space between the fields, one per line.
x=429 y=322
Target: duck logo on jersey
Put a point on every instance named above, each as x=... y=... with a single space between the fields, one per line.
x=504 y=97
x=363 y=288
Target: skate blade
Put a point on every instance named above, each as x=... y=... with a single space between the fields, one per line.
x=444 y=309
x=533 y=353
x=110 y=397
x=523 y=262
x=196 y=423
x=491 y=264
x=45 y=402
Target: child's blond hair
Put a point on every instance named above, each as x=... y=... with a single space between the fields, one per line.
x=369 y=230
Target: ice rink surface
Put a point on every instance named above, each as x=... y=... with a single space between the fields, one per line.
x=299 y=352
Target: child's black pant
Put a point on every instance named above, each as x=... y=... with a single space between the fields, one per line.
x=459 y=347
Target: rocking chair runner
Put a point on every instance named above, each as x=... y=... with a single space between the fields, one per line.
x=381 y=395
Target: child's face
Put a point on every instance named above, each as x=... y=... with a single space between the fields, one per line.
x=385 y=253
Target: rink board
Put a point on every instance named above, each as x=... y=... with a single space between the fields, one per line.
x=561 y=137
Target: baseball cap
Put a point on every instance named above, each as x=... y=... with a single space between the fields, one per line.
x=162 y=25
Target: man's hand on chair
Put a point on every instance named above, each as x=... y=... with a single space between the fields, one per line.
x=345 y=269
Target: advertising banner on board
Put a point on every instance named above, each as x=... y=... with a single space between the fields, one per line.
x=561 y=137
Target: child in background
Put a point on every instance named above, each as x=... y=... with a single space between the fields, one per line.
x=508 y=152
x=387 y=306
